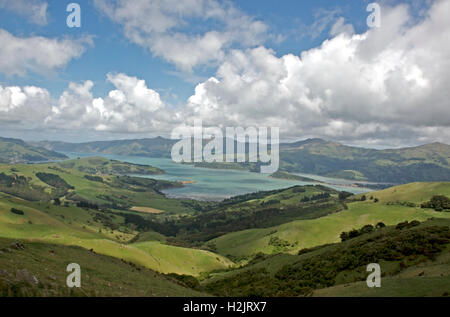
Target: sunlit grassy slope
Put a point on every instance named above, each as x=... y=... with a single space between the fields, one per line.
x=309 y=233
x=75 y=226
x=74 y=172
x=414 y=261
x=100 y=275
x=70 y=225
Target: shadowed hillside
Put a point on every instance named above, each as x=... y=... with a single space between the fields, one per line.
x=17 y=151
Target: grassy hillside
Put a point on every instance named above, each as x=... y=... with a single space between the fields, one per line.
x=100 y=165
x=414 y=261
x=74 y=203
x=94 y=179
x=412 y=192
x=94 y=204
x=17 y=151
x=313 y=232
x=88 y=229
x=100 y=275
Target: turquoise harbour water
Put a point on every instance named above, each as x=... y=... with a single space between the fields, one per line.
x=215 y=184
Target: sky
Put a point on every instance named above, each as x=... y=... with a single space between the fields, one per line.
x=141 y=68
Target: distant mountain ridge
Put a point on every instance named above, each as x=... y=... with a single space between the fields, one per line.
x=429 y=162
x=149 y=147
x=18 y=151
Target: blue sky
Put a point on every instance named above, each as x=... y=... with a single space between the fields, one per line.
x=111 y=51
x=253 y=62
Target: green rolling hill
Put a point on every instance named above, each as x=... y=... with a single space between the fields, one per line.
x=254 y=244
x=17 y=151
x=396 y=204
x=39 y=269
x=414 y=260
x=76 y=204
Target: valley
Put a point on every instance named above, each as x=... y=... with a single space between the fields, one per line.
x=95 y=206
x=124 y=211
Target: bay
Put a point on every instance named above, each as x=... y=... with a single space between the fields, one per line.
x=217 y=184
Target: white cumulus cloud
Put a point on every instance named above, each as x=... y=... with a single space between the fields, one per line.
x=34 y=10
x=24 y=104
x=387 y=85
x=38 y=54
x=131 y=107
x=165 y=28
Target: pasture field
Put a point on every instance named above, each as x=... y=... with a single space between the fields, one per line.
x=100 y=275
x=414 y=261
x=91 y=208
x=313 y=232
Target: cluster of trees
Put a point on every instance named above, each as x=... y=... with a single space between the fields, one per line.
x=344 y=195
x=87 y=204
x=19 y=186
x=10 y=180
x=356 y=233
x=323 y=269
x=198 y=205
x=106 y=220
x=17 y=211
x=438 y=203
x=139 y=184
x=407 y=225
x=53 y=180
x=251 y=196
x=315 y=197
x=280 y=244
x=94 y=178
x=270 y=202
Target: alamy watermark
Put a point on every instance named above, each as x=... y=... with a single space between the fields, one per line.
x=374 y=278
x=374 y=18
x=74 y=18
x=200 y=144
x=74 y=278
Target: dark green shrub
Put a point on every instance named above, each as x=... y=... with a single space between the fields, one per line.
x=17 y=211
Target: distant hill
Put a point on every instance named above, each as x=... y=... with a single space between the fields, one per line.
x=150 y=147
x=430 y=162
x=17 y=151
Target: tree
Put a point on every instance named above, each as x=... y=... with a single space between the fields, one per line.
x=344 y=236
x=17 y=211
x=366 y=229
x=343 y=195
x=438 y=203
